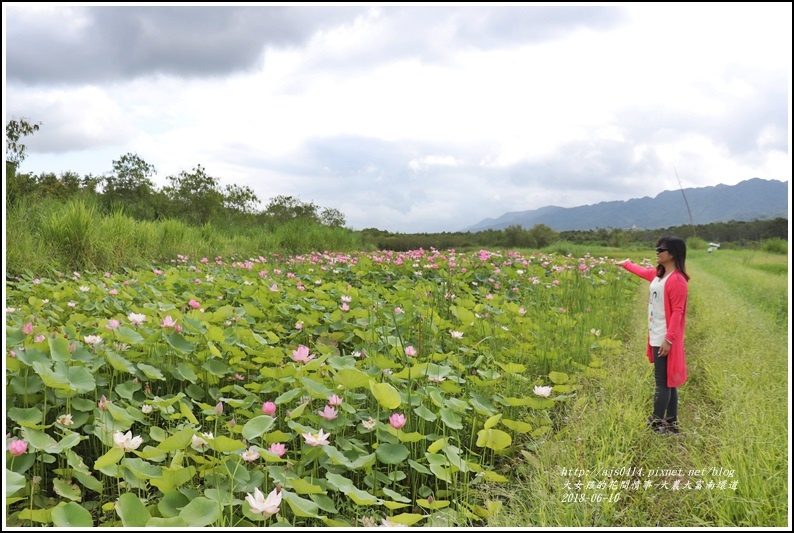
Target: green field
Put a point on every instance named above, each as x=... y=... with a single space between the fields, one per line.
x=734 y=410
x=486 y=389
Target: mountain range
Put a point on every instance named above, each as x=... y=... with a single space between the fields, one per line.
x=753 y=199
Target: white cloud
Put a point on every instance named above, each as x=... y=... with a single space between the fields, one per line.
x=414 y=118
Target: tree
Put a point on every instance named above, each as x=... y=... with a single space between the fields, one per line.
x=194 y=197
x=240 y=199
x=17 y=185
x=15 y=130
x=129 y=186
x=285 y=208
x=333 y=218
x=543 y=235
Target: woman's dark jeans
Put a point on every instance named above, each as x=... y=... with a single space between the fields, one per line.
x=665 y=401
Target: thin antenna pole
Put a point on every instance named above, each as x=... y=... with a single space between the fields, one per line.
x=691 y=220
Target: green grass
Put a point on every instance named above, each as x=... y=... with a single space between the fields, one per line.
x=733 y=412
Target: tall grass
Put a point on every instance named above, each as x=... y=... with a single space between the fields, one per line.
x=75 y=236
x=733 y=411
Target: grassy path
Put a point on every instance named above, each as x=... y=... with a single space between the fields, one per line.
x=729 y=467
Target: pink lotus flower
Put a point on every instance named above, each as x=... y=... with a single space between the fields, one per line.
x=27 y=329
x=277 y=448
x=39 y=338
x=103 y=403
x=299 y=325
x=194 y=304
x=410 y=351
x=301 y=355
x=344 y=307
x=335 y=400
x=329 y=413
x=112 y=324
x=269 y=408
x=168 y=322
x=397 y=420
x=17 y=447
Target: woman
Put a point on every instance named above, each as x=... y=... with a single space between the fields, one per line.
x=666 y=324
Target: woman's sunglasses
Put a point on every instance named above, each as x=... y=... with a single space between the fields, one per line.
x=660 y=250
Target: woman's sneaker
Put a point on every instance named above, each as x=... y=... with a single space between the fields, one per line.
x=672 y=425
x=659 y=425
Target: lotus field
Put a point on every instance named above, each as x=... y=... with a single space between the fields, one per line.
x=319 y=390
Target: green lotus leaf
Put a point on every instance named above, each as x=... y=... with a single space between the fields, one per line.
x=173 y=476
x=128 y=335
x=257 y=426
x=396 y=496
x=315 y=388
x=301 y=506
x=171 y=503
x=385 y=394
x=224 y=444
x=71 y=515
x=494 y=439
x=352 y=378
x=159 y=522
x=435 y=504
x=425 y=413
x=66 y=490
x=346 y=486
x=392 y=454
x=88 y=481
x=200 y=512
x=301 y=486
x=59 y=349
x=150 y=372
x=179 y=343
x=28 y=417
x=558 y=378
x=42 y=516
x=142 y=469
x=517 y=426
x=414 y=436
x=494 y=477
x=492 y=421
x=178 y=441
x=450 y=418
x=183 y=372
x=13 y=482
x=113 y=456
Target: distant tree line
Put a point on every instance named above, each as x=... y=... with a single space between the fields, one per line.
x=196 y=198
x=193 y=197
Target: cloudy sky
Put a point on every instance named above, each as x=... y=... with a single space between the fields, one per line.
x=410 y=118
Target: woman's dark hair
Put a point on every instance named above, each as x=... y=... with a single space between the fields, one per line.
x=676 y=247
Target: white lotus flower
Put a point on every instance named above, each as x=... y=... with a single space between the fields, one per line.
x=250 y=455
x=126 y=441
x=260 y=505
x=316 y=439
x=545 y=392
